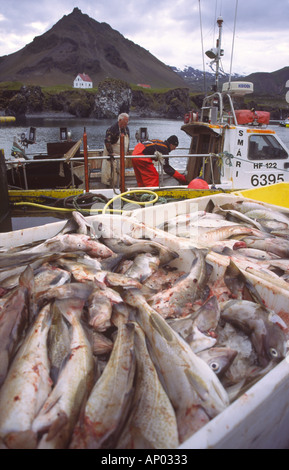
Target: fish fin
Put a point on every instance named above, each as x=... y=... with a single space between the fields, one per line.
x=57 y=425
x=198 y=384
x=162 y=327
x=210 y=206
x=140 y=441
x=251 y=293
x=21 y=440
x=26 y=278
x=4 y=363
x=147 y=291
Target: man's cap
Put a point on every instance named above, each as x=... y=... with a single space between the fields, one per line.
x=173 y=140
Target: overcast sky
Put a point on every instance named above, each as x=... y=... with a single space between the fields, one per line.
x=169 y=29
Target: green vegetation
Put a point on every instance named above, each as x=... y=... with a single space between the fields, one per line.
x=60 y=88
x=11 y=86
x=149 y=91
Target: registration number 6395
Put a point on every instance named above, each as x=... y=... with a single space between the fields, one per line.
x=264 y=179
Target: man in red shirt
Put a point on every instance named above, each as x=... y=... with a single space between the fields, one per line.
x=145 y=171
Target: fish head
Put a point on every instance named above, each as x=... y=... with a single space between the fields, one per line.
x=274 y=344
x=218 y=359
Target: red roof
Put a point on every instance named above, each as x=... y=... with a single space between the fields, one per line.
x=85 y=77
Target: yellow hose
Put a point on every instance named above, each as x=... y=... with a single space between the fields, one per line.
x=58 y=209
x=132 y=202
x=103 y=210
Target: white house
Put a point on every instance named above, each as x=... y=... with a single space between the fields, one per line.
x=82 y=81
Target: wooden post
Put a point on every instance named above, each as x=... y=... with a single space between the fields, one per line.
x=122 y=164
x=4 y=196
x=85 y=160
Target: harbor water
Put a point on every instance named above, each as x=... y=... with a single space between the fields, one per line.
x=48 y=130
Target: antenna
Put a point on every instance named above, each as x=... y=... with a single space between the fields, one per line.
x=204 y=70
x=230 y=76
x=216 y=52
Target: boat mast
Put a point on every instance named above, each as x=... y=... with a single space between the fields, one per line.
x=219 y=52
x=216 y=53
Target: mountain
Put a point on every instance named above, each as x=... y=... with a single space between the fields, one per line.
x=77 y=44
x=195 y=78
x=272 y=84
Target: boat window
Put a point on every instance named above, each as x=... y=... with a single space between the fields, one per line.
x=265 y=147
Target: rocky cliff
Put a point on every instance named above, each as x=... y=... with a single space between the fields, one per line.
x=111 y=98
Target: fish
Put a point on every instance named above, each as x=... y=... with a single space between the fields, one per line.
x=152 y=421
x=223 y=233
x=245 y=362
x=100 y=344
x=192 y=387
x=55 y=421
x=130 y=246
x=267 y=337
x=197 y=328
x=268 y=214
x=238 y=216
x=58 y=342
x=107 y=406
x=163 y=278
x=252 y=375
x=78 y=224
x=13 y=319
x=26 y=387
x=177 y=300
x=47 y=276
x=255 y=253
x=276 y=246
x=99 y=311
x=81 y=267
x=143 y=266
x=73 y=289
x=70 y=242
x=218 y=359
x=274 y=226
x=16 y=313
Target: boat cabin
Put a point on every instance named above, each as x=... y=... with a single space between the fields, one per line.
x=234 y=148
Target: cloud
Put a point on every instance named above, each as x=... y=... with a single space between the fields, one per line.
x=169 y=29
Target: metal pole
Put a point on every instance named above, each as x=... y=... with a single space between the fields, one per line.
x=4 y=197
x=85 y=160
x=122 y=164
x=220 y=22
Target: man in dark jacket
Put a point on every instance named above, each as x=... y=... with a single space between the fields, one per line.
x=145 y=171
x=112 y=135
x=110 y=166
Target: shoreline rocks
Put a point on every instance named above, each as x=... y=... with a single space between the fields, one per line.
x=111 y=98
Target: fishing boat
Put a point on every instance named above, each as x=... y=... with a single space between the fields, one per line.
x=234 y=148
x=44 y=170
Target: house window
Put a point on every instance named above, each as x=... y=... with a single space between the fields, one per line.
x=265 y=147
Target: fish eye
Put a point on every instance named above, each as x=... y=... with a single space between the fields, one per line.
x=273 y=352
x=215 y=366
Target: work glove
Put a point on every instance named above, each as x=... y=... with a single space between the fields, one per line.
x=159 y=157
x=174 y=173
